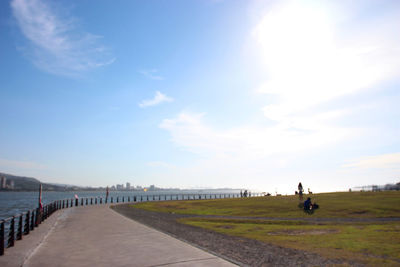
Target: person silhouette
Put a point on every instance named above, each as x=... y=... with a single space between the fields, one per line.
x=300 y=187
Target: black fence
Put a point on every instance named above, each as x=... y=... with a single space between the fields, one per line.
x=14 y=228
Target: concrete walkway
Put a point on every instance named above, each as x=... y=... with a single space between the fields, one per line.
x=98 y=236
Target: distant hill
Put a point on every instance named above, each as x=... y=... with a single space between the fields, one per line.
x=22 y=183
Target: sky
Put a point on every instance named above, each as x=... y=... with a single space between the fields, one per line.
x=259 y=95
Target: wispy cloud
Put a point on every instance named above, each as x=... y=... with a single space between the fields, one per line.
x=384 y=161
x=56 y=44
x=158 y=99
x=190 y=132
x=151 y=74
x=5 y=163
x=160 y=164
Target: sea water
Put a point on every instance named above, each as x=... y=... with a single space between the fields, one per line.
x=14 y=203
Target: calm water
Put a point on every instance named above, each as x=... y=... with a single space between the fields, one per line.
x=13 y=203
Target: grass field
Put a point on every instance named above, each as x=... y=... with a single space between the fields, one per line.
x=373 y=243
x=332 y=205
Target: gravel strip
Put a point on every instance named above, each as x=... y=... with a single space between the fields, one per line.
x=243 y=251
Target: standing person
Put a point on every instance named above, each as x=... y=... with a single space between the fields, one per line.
x=107 y=192
x=241 y=193
x=300 y=187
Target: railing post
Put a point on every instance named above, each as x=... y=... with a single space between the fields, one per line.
x=37 y=217
x=33 y=220
x=111 y=200
x=91 y=201
x=1 y=238
x=117 y=199
x=86 y=201
x=20 y=224
x=134 y=199
x=27 y=226
x=11 y=236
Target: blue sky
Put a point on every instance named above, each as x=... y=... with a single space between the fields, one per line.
x=241 y=94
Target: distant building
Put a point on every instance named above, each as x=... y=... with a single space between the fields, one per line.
x=11 y=184
x=152 y=187
x=120 y=187
x=113 y=187
x=3 y=182
x=128 y=186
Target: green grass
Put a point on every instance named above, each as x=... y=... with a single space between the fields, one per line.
x=372 y=243
x=332 y=205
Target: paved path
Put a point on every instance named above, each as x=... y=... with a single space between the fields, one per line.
x=98 y=236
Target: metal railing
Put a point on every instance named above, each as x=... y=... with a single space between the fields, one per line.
x=15 y=227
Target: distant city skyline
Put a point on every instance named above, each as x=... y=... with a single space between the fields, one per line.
x=201 y=94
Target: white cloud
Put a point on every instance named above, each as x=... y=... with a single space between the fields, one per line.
x=384 y=161
x=158 y=99
x=160 y=164
x=151 y=74
x=248 y=156
x=191 y=133
x=5 y=163
x=312 y=55
x=57 y=46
